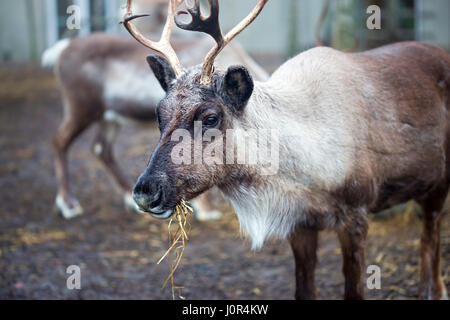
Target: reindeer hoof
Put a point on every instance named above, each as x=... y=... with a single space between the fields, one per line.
x=130 y=205
x=68 y=212
x=208 y=215
x=444 y=295
x=203 y=212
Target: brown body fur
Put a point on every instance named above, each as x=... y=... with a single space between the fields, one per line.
x=403 y=157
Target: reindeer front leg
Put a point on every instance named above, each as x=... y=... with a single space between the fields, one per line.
x=352 y=236
x=304 y=247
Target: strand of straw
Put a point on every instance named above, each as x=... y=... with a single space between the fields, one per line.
x=178 y=242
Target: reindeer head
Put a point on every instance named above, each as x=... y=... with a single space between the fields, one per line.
x=199 y=103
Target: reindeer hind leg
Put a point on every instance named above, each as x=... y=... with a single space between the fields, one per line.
x=431 y=285
x=70 y=128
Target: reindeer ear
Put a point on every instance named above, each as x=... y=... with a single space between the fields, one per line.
x=162 y=69
x=236 y=87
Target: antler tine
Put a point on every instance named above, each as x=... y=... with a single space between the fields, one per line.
x=211 y=26
x=195 y=14
x=163 y=46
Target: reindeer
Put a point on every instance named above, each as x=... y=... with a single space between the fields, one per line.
x=359 y=132
x=102 y=82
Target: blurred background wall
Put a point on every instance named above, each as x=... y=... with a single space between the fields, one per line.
x=285 y=28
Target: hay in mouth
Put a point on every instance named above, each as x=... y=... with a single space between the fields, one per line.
x=177 y=241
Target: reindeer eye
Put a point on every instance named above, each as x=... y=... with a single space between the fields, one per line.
x=210 y=121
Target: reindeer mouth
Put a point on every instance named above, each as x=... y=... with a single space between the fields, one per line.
x=160 y=211
x=162 y=215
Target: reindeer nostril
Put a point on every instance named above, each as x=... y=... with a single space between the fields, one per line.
x=149 y=194
x=157 y=198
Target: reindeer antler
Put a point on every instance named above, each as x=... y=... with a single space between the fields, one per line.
x=208 y=25
x=163 y=46
x=211 y=26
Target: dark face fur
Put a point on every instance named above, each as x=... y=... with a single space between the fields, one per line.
x=195 y=109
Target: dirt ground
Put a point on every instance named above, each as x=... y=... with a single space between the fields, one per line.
x=117 y=251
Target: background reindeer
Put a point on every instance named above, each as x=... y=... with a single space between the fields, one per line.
x=104 y=80
x=358 y=133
